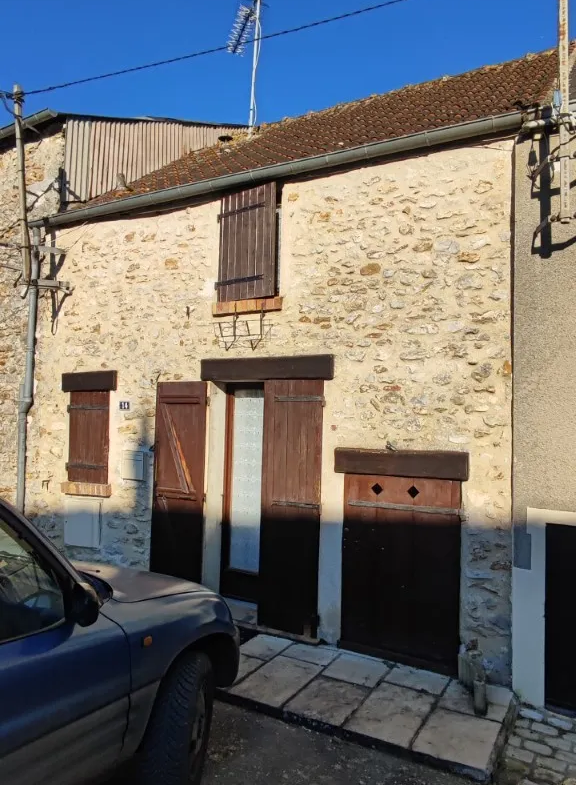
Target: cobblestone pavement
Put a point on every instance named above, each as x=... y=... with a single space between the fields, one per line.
x=541 y=749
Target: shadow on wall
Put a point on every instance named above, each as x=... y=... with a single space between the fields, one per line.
x=114 y=530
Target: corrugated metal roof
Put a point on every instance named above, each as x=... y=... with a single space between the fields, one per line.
x=98 y=149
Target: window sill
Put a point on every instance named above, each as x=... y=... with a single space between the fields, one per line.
x=86 y=489
x=247 y=306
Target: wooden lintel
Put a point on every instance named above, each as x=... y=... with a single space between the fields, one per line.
x=89 y=381
x=259 y=369
x=433 y=464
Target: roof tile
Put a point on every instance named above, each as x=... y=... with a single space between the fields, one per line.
x=488 y=91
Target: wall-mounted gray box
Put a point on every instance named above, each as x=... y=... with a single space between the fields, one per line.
x=133 y=464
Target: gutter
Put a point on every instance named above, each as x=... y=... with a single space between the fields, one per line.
x=509 y=122
x=30 y=122
x=27 y=388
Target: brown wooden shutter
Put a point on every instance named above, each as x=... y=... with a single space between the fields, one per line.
x=88 y=442
x=290 y=527
x=177 y=518
x=248 y=244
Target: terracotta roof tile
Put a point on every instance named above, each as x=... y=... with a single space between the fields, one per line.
x=488 y=91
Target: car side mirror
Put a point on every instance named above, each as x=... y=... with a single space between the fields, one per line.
x=85 y=605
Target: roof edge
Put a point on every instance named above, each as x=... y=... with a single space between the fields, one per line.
x=31 y=121
x=510 y=121
x=50 y=114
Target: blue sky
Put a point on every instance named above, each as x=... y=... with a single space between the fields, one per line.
x=412 y=42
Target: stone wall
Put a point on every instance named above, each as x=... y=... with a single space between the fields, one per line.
x=400 y=269
x=44 y=157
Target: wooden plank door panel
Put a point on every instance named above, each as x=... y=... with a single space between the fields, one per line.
x=401 y=568
x=179 y=451
x=290 y=527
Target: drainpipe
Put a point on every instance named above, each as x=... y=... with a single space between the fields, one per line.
x=27 y=388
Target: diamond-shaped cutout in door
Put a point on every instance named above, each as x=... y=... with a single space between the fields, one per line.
x=377 y=488
x=413 y=491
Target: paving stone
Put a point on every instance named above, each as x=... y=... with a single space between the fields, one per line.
x=551 y=763
x=538 y=747
x=531 y=714
x=528 y=734
x=499 y=695
x=264 y=646
x=515 y=741
x=461 y=739
x=548 y=776
x=391 y=713
x=457 y=698
x=318 y=655
x=569 y=757
x=247 y=666
x=540 y=727
x=521 y=723
x=328 y=700
x=560 y=722
x=424 y=681
x=559 y=744
x=276 y=681
x=353 y=668
x=517 y=754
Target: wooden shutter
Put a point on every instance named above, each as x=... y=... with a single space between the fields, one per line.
x=177 y=518
x=88 y=442
x=248 y=244
x=290 y=527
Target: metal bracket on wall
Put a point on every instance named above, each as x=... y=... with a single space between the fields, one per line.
x=59 y=286
x=242 y=332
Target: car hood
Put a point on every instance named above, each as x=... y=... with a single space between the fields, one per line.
x=136 y=585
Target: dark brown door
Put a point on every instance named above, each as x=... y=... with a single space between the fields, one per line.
x=177 y=516
x=560 y=669
x=290 y=525
x=401 y=569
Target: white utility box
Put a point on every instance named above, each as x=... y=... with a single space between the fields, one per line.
x=82 y=522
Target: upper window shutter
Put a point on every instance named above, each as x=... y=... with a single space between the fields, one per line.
x=88 y=443
x=247 y=267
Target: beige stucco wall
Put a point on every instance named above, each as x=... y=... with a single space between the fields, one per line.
x=544 y=465
x=44 y=157
x=401 y=270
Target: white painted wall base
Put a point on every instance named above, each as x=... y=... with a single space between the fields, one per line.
x=528 y=602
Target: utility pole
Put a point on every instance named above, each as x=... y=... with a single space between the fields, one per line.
x=18 y=97
x=564 y=118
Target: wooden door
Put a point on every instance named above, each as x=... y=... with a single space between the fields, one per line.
x=179 y=450
x=560 y=671
x=401 y=569
x=290 y=525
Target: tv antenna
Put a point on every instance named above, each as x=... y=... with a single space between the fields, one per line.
x=247 y=27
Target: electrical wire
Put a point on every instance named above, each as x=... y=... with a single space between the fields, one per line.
x=214 y=50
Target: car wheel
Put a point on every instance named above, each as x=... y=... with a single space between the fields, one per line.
x=176 y=738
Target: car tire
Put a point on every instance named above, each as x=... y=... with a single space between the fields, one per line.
x=176 y=739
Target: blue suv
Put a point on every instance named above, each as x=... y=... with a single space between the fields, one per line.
x=102 y=666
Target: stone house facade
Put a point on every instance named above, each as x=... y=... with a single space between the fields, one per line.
x=365 y=398
x=69 y=158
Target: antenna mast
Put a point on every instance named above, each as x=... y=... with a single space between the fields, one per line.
x=248 y=22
